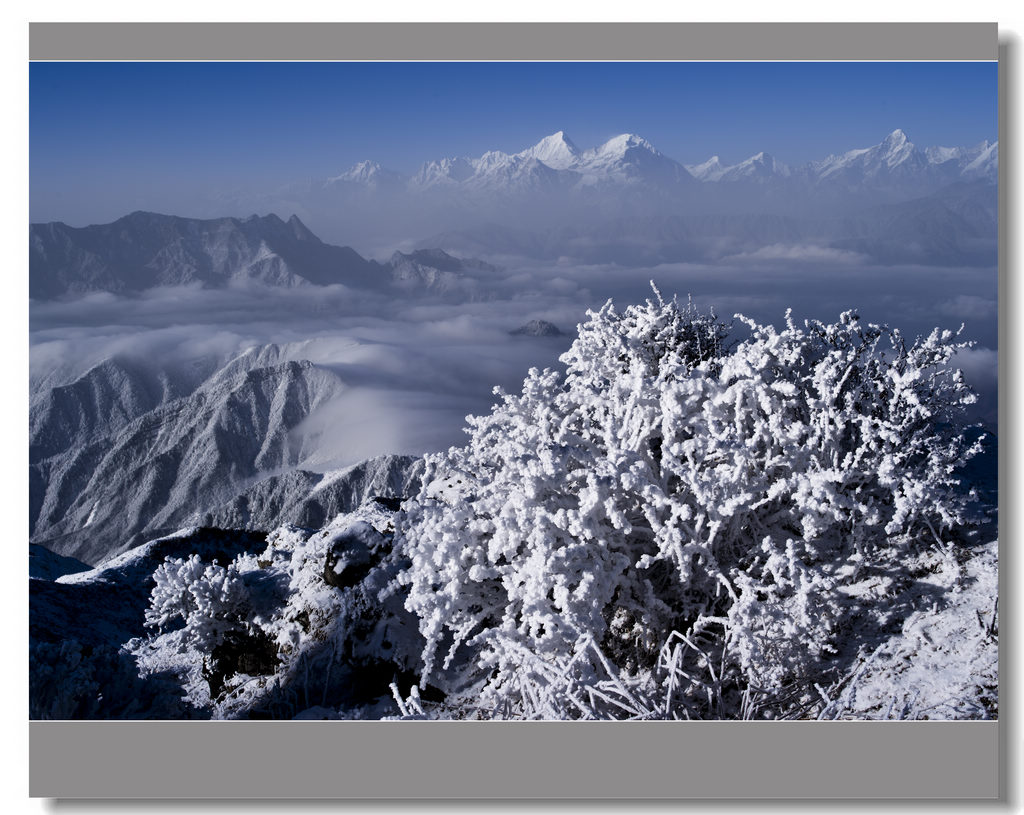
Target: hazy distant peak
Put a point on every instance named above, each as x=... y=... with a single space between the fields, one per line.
x=759 y=167
x=360 y=171
x=368 y=174
x=442 y=171
x=940 y=155
x=436 y=258
x=985 y=164
x=709 y=170
x=894 y=153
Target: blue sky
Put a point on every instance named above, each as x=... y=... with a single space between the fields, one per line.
x=107 y=137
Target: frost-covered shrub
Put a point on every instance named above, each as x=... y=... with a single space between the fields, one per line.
x=296 y=626
x=674 y=519
x=210 y=599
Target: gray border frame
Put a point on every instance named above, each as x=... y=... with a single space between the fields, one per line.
x=513 y=41
x=547 y=760
x=695 y=760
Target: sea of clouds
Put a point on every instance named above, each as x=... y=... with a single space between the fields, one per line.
x=415 y=365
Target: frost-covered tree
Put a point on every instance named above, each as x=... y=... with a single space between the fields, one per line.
x=666 y=528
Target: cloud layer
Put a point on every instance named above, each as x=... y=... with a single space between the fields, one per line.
x=415 y=366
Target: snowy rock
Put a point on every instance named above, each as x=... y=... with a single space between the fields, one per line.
x=538 y=328
x=350 y=554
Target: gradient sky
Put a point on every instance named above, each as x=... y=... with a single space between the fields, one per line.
x=110 y=137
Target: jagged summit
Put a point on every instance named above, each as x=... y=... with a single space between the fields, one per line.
x=557 y=151
x=895 y=156
x=896 y=139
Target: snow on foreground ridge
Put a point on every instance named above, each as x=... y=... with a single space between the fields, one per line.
x=312 y=650
x=686 y=524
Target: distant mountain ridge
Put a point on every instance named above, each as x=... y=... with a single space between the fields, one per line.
x=125 y=453
x=145 y=250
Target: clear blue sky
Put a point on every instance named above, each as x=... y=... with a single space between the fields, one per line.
x=112 y=132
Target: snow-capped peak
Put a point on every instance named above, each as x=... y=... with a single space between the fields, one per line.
x=760 y=166
x=894 y=151
x=897 y=148
x=618 y=145
x=557 y=151
x=630 y=159
x=896 y=139
x=368 y=174
x=360 y=172
x=709 y=170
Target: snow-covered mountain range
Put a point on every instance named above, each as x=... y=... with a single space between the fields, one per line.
x=556 y=183
x=556 y=163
